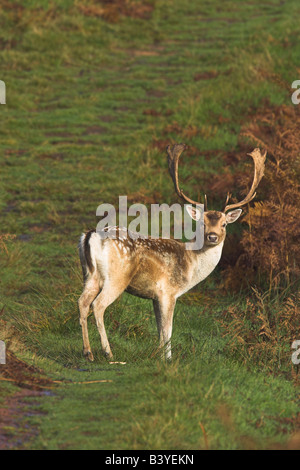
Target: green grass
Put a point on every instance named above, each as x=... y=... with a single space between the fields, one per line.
x=74 y=134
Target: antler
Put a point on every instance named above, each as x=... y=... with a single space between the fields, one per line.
x=173 y=159
x=259 y=167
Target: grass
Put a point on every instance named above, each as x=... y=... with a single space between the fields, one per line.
x=175 y=407
x=153 y=405
x=78 y=129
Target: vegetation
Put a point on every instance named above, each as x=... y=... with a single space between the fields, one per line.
x=95 y=92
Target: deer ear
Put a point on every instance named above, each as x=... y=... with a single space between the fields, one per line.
x=193 y=212
x=233 y=216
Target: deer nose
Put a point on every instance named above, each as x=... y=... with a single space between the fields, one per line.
x=212 y=238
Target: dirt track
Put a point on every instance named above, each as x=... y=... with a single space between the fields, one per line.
x=15 y=432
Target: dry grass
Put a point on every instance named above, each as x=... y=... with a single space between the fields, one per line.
x=112 y=10
x=262 y=332
x=4 y=238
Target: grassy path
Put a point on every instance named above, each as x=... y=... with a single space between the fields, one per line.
x=204 y=399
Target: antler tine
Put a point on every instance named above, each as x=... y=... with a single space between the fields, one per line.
x=259 y=168
x=173 y=158
x=205 y=203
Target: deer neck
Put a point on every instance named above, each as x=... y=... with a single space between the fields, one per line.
x=205 y=261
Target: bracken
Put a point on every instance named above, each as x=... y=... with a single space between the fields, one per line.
x=270 y=252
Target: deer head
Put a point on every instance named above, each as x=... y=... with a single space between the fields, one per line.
x=215 y=222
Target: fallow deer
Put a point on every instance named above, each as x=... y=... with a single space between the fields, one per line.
x=154 y=268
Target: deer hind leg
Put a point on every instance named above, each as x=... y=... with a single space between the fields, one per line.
x=107 y=296
x=91 y=290
x=164 y=310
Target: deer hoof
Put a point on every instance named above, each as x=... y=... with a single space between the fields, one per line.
x=89 y=355
x=108 y=355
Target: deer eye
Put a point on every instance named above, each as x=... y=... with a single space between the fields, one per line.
x=224 y=225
